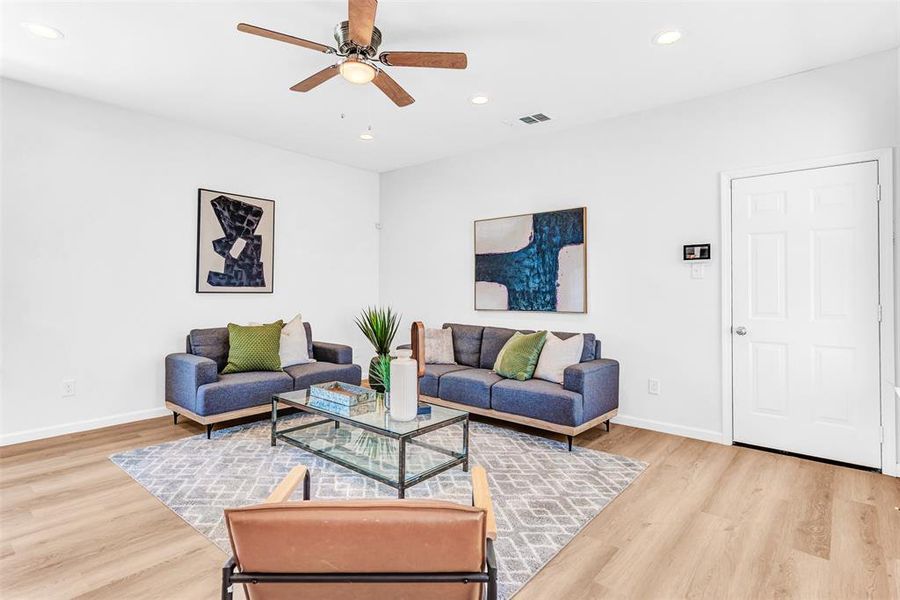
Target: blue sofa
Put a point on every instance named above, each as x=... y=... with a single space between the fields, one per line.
x=196 y=388
x=588 y=396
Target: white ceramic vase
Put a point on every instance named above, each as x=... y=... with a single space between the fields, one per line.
x=404 y=386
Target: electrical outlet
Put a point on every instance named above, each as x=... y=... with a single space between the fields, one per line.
x=68 y=387
x=653 y=387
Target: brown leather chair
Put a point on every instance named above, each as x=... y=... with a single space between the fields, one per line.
x=371 y=549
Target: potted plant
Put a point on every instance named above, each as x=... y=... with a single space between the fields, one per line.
x=379 y=325
x=380 y=374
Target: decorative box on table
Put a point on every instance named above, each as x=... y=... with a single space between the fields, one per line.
x=360 y=408
x=344 y=394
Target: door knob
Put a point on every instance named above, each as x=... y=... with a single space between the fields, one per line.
x=740 y=330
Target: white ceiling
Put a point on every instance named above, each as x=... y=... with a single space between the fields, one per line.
x=577 y=62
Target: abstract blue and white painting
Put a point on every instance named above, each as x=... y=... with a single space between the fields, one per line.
x=533 y=262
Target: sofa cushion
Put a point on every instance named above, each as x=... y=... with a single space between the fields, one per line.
x=538 y=399
x=294 y=347
x=519 y=356
x=254 y=347
x=439 y=346
x=234 y=391
x=589 y=352
x=309 y=340
x=492 y=341
x=466 y=343
x=428 y=383
x=319 y=372
x=556 y=355
x=210 y=343
x=471 y=387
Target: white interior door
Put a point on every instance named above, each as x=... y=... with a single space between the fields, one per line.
x=805 y=330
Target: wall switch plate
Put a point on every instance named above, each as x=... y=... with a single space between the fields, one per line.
x=68 y=387
x=653 y=387
x=698 y=272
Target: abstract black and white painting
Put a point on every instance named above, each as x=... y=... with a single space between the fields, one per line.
x=235 y=243
x=533 y=262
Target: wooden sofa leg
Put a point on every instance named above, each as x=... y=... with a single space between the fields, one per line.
x=209 y=431
x=175 y=417
x=569 y=438
x=607 y=425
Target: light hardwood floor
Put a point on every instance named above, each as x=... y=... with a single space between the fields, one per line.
x=704 y=520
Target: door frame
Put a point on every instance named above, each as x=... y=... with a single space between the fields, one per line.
x=890 y=463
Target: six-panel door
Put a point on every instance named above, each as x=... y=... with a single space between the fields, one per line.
x=805 y=288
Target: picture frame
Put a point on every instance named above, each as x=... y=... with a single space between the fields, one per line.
x=532 y=262
x=235 y=243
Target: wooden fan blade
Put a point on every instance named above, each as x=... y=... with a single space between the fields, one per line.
x=392 y=89
x=435 y=60
x=362 y=20
x=283 y=37
x=316 y=79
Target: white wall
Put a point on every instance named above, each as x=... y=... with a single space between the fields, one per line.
x=99 y=230
x=98 y=233
x=651 y=184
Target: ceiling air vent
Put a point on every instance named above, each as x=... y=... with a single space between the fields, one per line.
x=535 y=118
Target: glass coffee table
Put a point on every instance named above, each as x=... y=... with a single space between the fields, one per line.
x=367 y=440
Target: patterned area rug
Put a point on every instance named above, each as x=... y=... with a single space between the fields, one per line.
x=543 y=495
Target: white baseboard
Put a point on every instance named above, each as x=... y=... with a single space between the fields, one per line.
x=55 y=430
x=707 y=435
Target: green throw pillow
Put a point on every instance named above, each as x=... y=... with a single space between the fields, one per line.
x=519 y=356
x=254 y=347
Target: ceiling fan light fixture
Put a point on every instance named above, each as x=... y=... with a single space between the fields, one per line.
x=358 y=41
x=667 y=38
x=357 y=71
x=43 y=31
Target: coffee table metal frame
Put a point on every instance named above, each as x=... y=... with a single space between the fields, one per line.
x=401 y=485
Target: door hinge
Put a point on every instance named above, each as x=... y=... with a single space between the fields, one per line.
x=880 y=313
x=878 y=193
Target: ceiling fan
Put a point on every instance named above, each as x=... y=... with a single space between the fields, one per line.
x=357 y=44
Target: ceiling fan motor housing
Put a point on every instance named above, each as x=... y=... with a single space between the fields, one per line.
x=345 y=45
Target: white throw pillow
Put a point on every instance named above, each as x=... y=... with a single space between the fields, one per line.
x=294 y=349
x=439 y=347
x=556 y=355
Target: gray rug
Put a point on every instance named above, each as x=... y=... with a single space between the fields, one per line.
x=543 y=495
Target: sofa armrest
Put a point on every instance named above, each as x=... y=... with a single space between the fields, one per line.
x=598 y=383
x=184 y=374
x=333 y=353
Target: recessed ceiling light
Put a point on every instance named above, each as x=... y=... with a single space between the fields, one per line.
x=479 y=99
x=366 y=136
x=43 y=31
x=665 y=38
